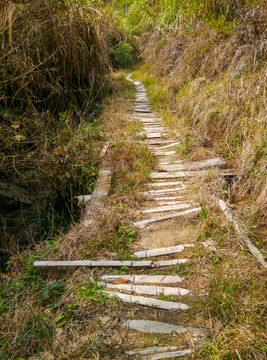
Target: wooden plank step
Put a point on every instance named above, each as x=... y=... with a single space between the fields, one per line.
x=143 y=223
x=157 y=142
x=144 y=279
x=164 y=147
x=142 y=111
x=167 y=198
x=162 y=191
x=146 y=289
x=169 y=202
x=162 y=251
x=145 y=118
x=91 y=263
x=194 y=165
x=154 y=135
x=168 y=355
x=166 y=183
x=165 y=208
x=150 y=123
x=169 y=262
x=175 y=174
x=170 y=162
x=151 y=350
x=155 y=128
x=141 y=300
x=183 y=174
x=164 y=153
x=157 y=327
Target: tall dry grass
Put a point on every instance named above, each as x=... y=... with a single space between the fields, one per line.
x=55 y=57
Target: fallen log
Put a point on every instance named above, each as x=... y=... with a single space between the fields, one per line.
x=255 y=251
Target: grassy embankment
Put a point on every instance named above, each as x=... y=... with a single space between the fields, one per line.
x=54 y=73
x=205 y=72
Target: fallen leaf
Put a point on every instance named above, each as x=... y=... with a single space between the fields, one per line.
x=16 y=124
x=161 y=170
x=20 y=137
x=114 y=323
x=120 y=281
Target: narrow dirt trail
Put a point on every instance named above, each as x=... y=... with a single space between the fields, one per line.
x=168 y=222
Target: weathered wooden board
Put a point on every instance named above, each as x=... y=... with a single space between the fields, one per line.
x=146 y=289
x=175 y=174
x=162 y=251
x=145 y=279
x=252 y=248
x=156 y=327
x=142 y=111
x=144 y=223
x=167 y=198
x=165 y=208
x=171 y=162
x=153 y=127
x=169 y=202
x=167 y=183
x=183 y=174
x=152 y=350
x=154 y=135
x=164 y=153
x=150 y=123
x=142 y=107
x=169 y=262
x=162 y=191
x=146 y=118
x=160 y=304
x=169 y=355
x=91 y=263
x=194 y=165
x=157 y=142
x=164 y=147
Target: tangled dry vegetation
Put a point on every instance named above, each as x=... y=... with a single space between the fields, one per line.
x=55 y=59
